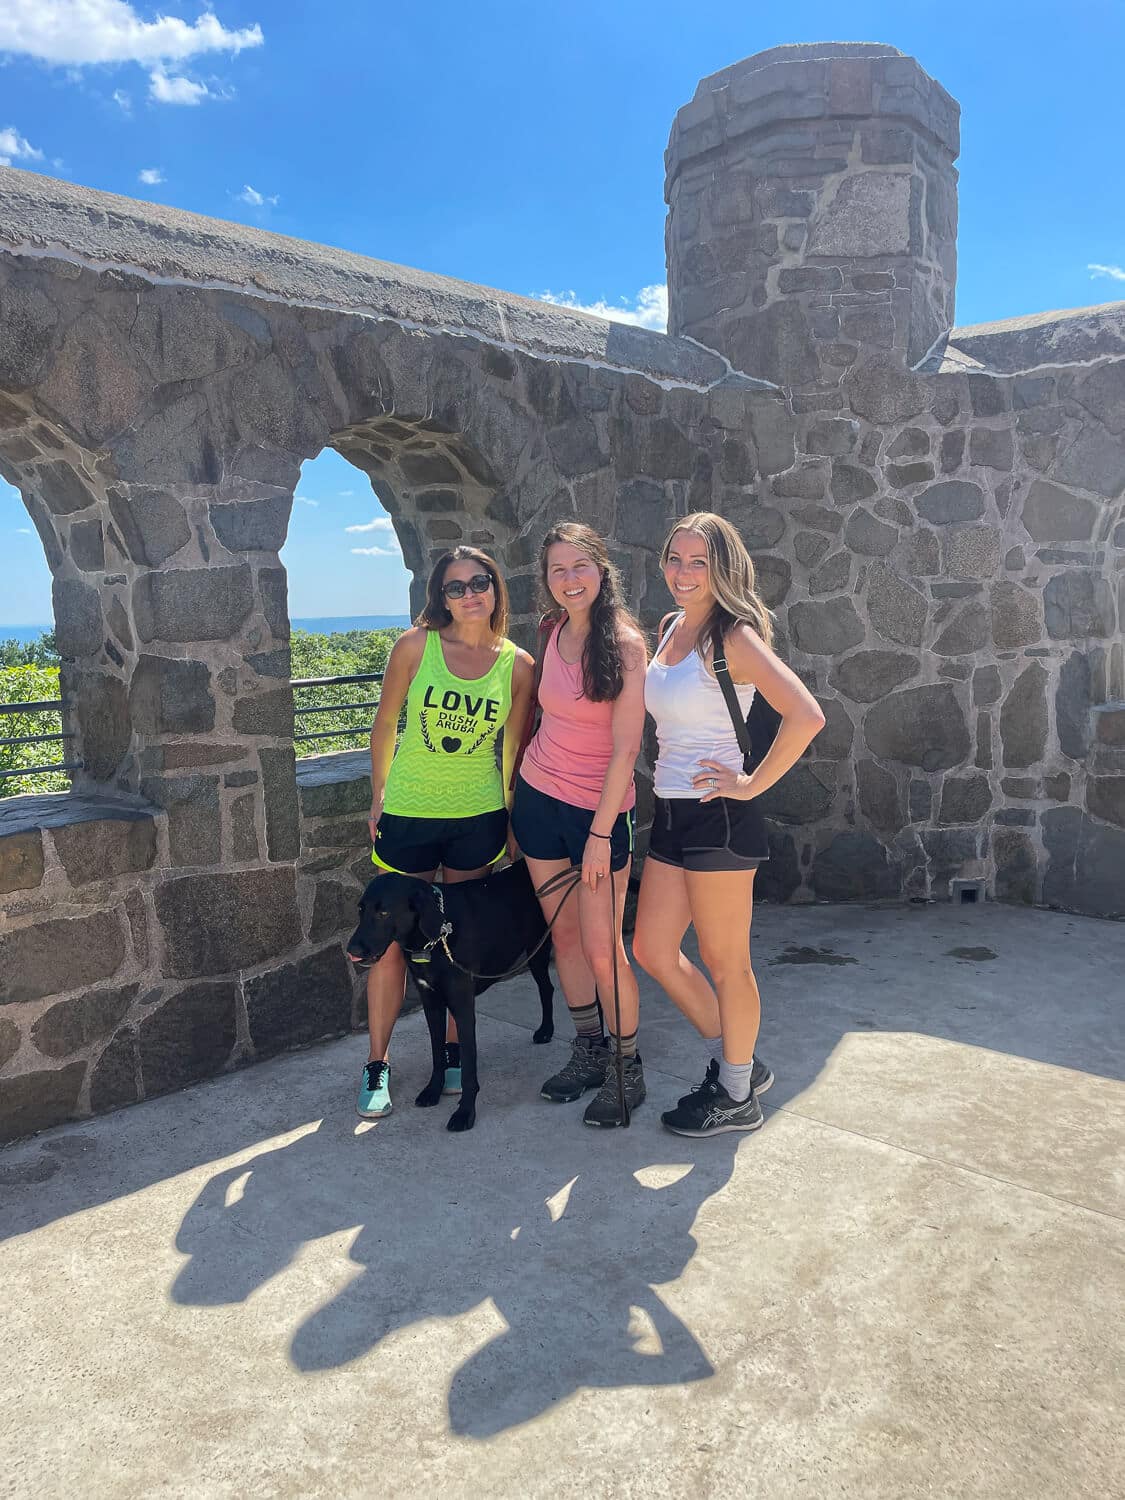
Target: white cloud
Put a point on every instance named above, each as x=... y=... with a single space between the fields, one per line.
x=380 y=523
x=122 y=100
x=1115 y=273
x=648 y=309
x=150 y=175
x=110 y=31
x=305 y=500
x=165 y=90
x=14 y=147
x=375 y=552
x=23 y=530
x=346 y=494
x=254 y=198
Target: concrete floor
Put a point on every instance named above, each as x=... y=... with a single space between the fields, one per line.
x=909 y=1283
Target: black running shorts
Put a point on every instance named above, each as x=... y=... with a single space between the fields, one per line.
x=724 y=834
x=546 y=828
x=418 y=846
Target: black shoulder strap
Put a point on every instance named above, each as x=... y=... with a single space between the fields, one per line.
x=734 y=708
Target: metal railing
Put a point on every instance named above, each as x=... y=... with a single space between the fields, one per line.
x=41 y=706
x=334 y=708
x=55 y=705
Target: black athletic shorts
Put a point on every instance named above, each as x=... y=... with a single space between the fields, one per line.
x=724 y=834
x=416 y=846
x=546 y=828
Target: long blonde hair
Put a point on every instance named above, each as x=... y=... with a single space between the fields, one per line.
x=730 y=571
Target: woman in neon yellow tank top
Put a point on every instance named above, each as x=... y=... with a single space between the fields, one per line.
x=438 y=802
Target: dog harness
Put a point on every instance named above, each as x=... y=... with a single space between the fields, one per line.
x=445 y=765
x=422 y=956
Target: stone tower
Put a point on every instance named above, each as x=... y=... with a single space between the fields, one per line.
x=812 y=209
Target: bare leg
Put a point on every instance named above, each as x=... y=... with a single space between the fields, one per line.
x=575 y=975
x=722 y=905
x=386 y=987
x=663 y=916
x=601 y=933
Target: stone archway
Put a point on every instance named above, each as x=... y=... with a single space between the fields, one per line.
x=68 y=499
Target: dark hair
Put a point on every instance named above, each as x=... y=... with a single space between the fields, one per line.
x=435 y=615
x=602 y=674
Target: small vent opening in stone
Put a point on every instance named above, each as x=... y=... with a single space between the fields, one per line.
x=968 y=892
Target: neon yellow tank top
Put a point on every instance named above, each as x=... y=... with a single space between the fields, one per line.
x=445 y=765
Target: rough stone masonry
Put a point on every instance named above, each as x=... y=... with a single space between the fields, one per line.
x=936 y=514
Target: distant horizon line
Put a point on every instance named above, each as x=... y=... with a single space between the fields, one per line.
x=293 y=620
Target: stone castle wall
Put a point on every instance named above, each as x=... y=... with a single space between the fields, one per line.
x=940 y=537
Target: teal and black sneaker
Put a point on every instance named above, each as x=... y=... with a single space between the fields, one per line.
x=375 y=1091
x=452 y=1084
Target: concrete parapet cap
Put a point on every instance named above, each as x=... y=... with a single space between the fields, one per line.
x=1016 y=346
x=61 y=809
x=41 y=216
x=815 y=80
x=335 y=767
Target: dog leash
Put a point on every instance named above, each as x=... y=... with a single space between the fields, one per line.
x=618 y=1059
x=566 y=881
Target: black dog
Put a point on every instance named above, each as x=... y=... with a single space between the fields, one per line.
x=489 y=926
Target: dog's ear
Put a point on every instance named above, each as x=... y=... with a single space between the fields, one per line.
x=427 y=911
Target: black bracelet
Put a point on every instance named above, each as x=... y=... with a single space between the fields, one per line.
x=607 y=836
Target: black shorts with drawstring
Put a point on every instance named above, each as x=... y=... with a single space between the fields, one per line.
x=417 y=846
x=546 y=828
x=723 y=834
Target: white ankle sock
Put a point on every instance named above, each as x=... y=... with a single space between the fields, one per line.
x=735 y=1078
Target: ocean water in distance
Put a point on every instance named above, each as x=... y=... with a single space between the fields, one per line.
x=326 y=626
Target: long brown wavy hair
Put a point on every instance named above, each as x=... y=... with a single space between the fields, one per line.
x=435 y=615
x=730 y=571
x=602 y=670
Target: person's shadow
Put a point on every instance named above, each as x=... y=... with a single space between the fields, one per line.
x=569 y=1246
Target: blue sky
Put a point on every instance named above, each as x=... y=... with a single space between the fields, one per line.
x=521 y=146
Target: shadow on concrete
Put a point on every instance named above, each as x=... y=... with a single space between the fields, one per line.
x=569 y=1245
x=1041 y=986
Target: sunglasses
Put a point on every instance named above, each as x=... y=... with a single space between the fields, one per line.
x=479 y=583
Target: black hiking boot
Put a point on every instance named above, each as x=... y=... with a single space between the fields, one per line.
x=585 y=1070
x=604 y=1109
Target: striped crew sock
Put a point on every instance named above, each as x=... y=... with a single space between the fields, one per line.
x=735 y=1078
x=588 y=1022
x=627 y=1045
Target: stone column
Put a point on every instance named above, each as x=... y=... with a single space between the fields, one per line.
x=812 y=211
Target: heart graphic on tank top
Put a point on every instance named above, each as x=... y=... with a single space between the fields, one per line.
x=450 y=743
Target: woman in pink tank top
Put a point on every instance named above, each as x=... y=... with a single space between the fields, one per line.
x=573 y=805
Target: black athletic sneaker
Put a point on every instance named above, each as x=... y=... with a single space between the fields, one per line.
x=585 y=1070
x=604 y=1108
x=761 y=1078
x=710 y=1110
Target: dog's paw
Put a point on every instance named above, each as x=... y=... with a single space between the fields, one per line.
x=543 y=1033
x=462 y=1119
x=429 y=1095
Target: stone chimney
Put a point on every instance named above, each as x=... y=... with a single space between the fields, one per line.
x=812 y=209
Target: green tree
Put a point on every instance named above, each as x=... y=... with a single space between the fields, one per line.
x=38 y=653
x=342 y=654
x=30 y=684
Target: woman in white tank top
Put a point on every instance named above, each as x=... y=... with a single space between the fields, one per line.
x=708 y=834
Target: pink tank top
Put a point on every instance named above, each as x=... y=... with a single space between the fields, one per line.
x=570 y=752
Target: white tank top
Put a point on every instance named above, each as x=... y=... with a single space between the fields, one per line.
x=692 y=720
